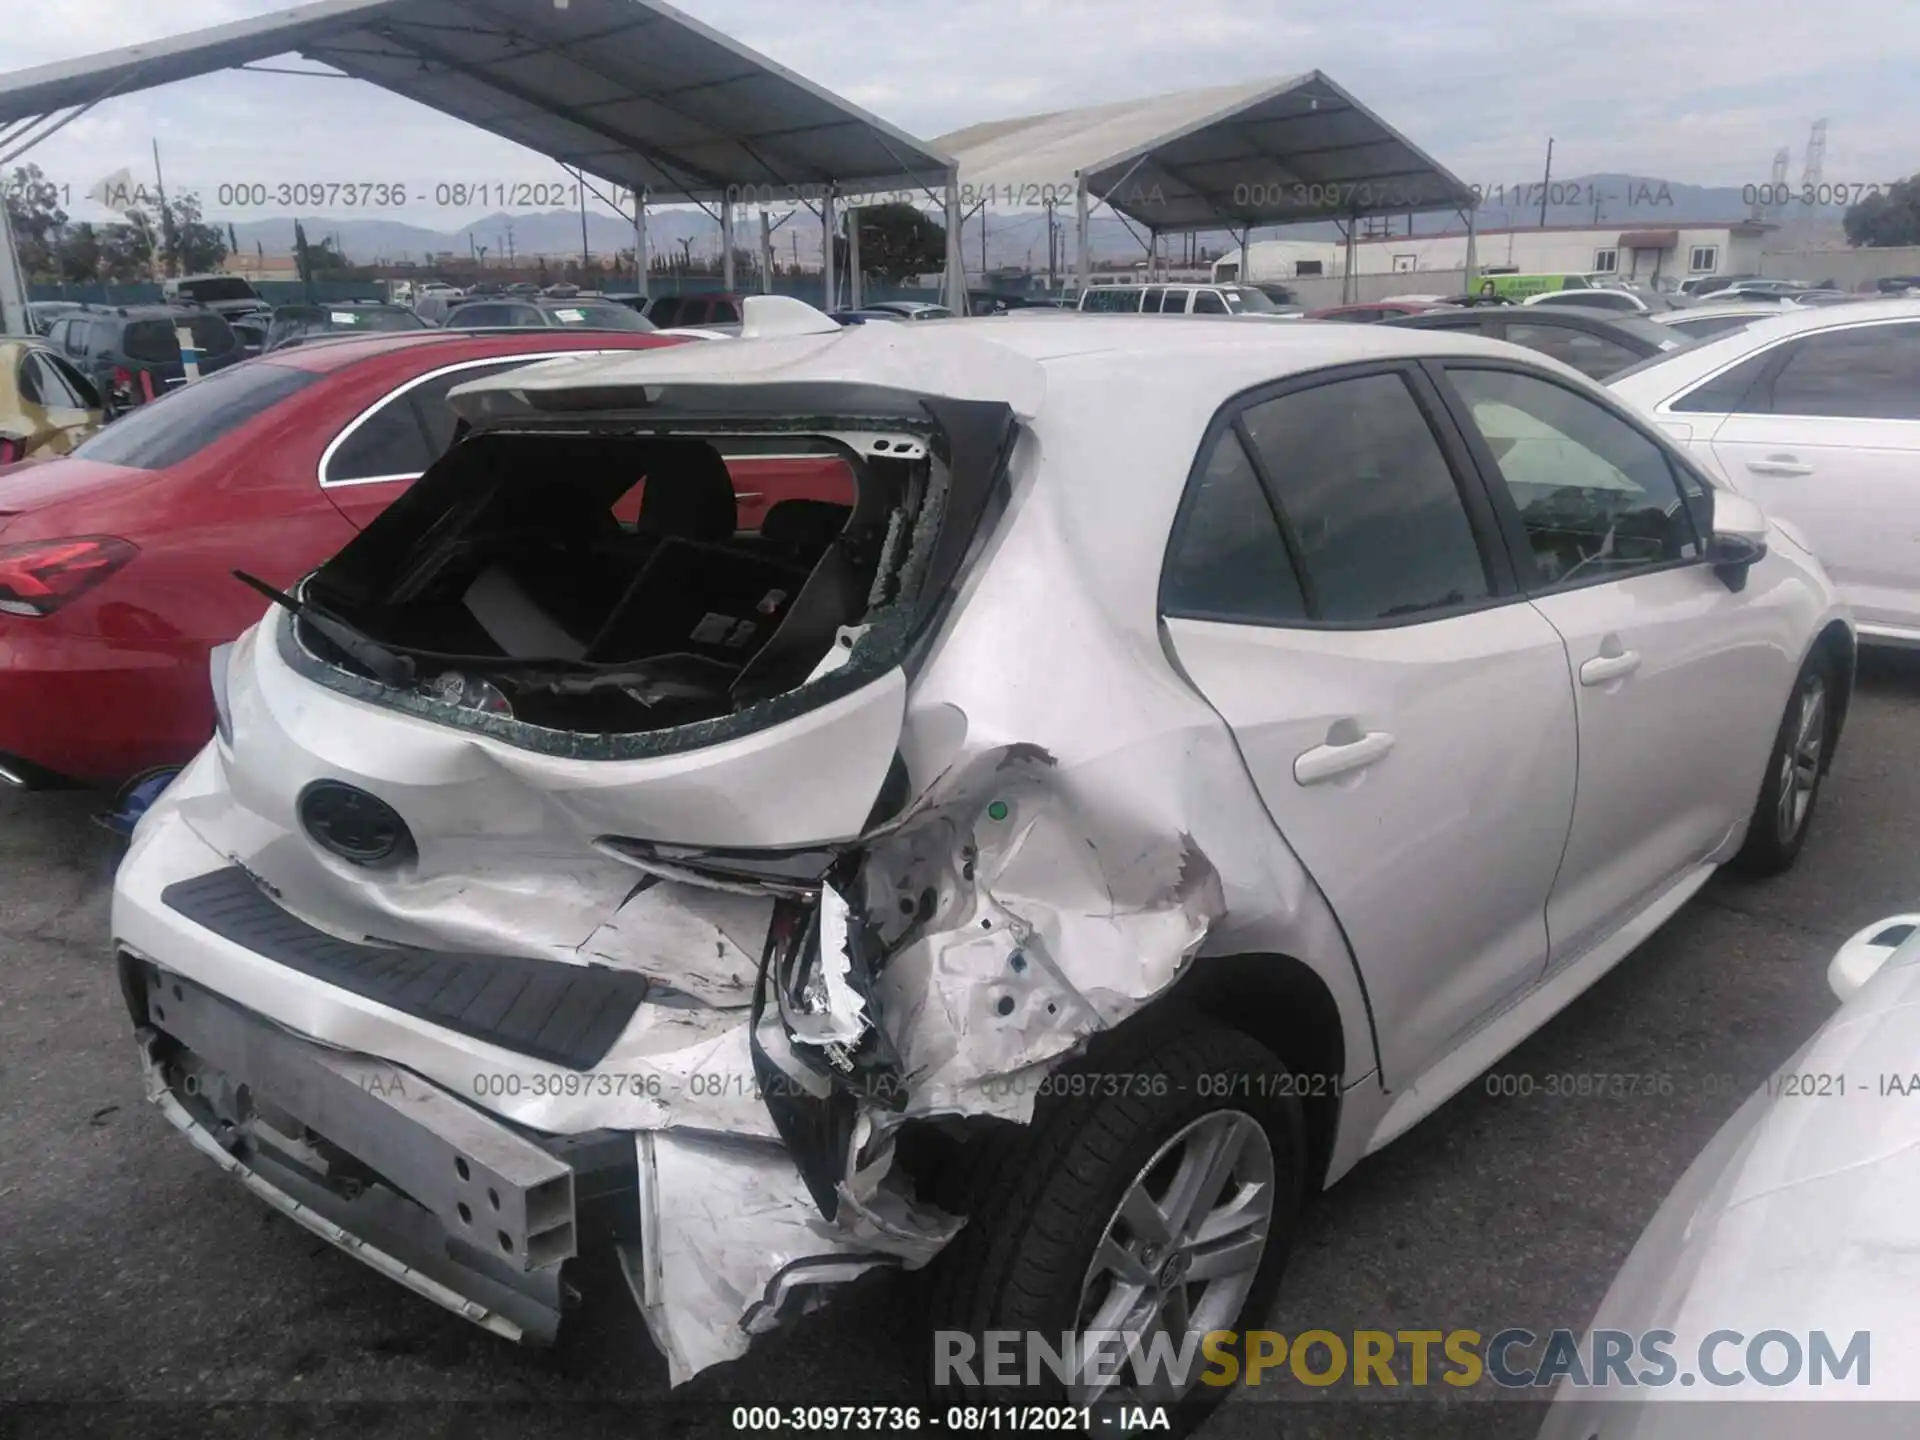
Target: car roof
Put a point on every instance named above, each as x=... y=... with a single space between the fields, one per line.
x=1667 y=374
x=1195 y=362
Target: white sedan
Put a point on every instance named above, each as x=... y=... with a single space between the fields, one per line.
x=1782 y=1266
x=1198 y=752
x=1815 y=414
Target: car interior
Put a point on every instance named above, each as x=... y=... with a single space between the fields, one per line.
x=527 y=577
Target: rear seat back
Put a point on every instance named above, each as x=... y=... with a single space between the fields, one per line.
x=698 y=599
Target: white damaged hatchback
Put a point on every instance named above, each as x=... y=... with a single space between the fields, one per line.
x=1190 y=759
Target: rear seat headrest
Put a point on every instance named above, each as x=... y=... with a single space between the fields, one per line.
x=804 y=526
x=689 y=492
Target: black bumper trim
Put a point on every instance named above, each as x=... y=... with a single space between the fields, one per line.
x=569 y=1015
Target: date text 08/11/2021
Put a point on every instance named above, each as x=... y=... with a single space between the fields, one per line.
x=957 y=1419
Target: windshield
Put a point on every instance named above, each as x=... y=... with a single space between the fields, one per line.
x=1245 y=300
x=598 y=317
x=224 y=288
x=351 y=319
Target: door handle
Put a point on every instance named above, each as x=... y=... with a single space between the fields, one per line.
x=1602 y=668
x=1339 y=757
x=1779 y=465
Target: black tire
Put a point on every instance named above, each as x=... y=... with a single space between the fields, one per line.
x=1779 y=829
x=1039 y=1202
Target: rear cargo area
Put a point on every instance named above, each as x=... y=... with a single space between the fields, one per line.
x=601 y=583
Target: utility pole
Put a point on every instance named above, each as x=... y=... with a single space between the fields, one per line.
x=580 y=184
x=983 y=244
x=166 y=215
x=1546 y=184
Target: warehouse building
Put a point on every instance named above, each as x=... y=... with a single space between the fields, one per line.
x=1649 y=255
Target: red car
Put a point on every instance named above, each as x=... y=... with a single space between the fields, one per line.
x=116 y=561
x=1373 y=310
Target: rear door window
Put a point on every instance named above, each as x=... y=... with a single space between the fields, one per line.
x=1208 y=302
x=1175 y=302
x=1871 y=372
x=151 y=342
x=1369 y=501
x=1228 y=560
x=179 y=424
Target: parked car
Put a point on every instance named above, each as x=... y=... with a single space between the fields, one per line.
x=680 y=311
x=434 y=306
x=519 y=314
x=1373 y=310
x=46 y=406
x=1897 y=284
x=1596 y=345
x=42 y=313
x=114 y=563
x=1182 y=300
x=293 y=324
x=228 y=296
x=1051 y=757
x=861 y=317
x=1756 y=289
x=1698 y=322
x=1695 y=286
x=913 y=309
x=1613 y=299
x=250 y=334
x=1789 y=1222
x=1281 y=295
x=1812 y=413
x=131 y=353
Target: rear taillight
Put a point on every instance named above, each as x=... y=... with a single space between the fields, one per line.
x=39 y=577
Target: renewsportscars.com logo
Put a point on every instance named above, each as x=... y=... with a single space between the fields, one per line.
x=1616 y=1359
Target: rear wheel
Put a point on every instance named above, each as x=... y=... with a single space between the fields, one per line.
x=1141 y=1212
x=1795 y=768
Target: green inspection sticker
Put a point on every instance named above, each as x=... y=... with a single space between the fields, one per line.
x=997 y=810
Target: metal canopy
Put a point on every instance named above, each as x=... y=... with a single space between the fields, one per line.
x=1227 y=158
x=631 y=91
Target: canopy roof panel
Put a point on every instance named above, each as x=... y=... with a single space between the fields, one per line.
x=631 y=91
x=1230 y=157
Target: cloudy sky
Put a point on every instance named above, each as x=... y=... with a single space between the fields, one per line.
x=1702 y=92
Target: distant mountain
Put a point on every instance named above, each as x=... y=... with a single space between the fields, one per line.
x=1015 y=238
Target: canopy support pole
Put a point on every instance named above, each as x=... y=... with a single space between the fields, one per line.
x=853 y=257
x=766 y=253
x=826 y=250
x=1349 y=286
x=1473 y=259
x=956 y=260
x=13 y=283
x=726 y=245
x=640 y=265
x=1082 y=262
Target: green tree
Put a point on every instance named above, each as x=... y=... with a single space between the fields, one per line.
x=33 y=207
x=1889 y=218
x=193 y=246
x=126 y=251
x=897 y=242
x=79 y=255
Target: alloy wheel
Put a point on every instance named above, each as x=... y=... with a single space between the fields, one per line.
x=1176 y=1261
x=1800 y=760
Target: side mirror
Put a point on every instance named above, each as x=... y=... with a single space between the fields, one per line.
x=1739 y=537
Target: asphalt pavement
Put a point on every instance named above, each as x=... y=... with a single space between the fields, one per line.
x=131 y=1270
